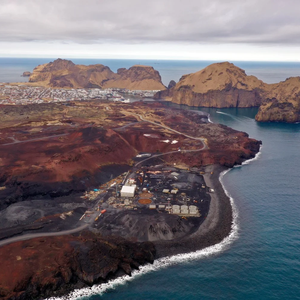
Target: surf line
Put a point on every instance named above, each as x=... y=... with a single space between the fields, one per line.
x=162 y=262
x=167 y=261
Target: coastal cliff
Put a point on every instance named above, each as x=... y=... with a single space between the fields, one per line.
x=282 y=102
x=48 y=266
x=223 y=85
x=218 y=85
x=65 y=74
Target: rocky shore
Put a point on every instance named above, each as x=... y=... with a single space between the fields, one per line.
x=43 y=267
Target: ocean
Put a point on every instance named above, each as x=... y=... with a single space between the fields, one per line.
x=261 y=257
x=11 y=69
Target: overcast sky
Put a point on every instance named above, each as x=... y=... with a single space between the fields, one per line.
x=162 y=29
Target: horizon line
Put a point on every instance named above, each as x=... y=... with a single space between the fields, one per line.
x=149 y=59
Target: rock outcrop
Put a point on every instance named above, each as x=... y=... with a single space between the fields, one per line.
x=281 y=103
x=218 y=85
x=26 y=74
x=65 y=74
x=171 y=84
x=48 y=266
x=225 y=85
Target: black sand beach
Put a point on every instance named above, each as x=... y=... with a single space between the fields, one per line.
x=216 y=226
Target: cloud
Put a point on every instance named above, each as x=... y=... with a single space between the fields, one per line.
x=139 y=21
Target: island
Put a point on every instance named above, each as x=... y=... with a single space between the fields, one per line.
x=26 y=74
x=224 y=85
x=63 y=73
x=90 y=190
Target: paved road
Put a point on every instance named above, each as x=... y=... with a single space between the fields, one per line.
x=32 y=140
x=157 y=155
x=36 y=235
x=92 y=218
x=88 y=221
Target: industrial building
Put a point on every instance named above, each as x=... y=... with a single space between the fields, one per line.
x=128 y=191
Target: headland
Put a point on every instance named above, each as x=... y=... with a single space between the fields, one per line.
x=226 y=85
x=68 y=167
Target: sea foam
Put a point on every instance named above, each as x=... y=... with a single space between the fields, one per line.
x=208 y=118
x=163 y=262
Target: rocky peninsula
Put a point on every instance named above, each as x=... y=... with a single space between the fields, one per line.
x=61 y=163
x=225 y=85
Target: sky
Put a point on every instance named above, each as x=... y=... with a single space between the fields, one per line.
x=256 y=30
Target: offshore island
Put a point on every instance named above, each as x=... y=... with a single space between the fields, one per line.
x=92 y=189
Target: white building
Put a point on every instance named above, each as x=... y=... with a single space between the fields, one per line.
x=128 y=191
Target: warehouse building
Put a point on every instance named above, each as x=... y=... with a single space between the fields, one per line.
x=128 y=191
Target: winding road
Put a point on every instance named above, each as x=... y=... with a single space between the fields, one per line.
x=91 y=221
x=178 y=132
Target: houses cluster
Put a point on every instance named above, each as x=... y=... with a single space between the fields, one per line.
x=23 y=95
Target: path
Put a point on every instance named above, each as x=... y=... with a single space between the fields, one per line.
x=178 y=132
x=84 y=226
x=32 y=140
x=37 y=235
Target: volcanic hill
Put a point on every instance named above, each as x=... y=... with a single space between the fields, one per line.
x=225 y=85
x=65 y=74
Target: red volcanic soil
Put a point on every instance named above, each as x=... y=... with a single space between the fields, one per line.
x=59 y=160
x=36 y=268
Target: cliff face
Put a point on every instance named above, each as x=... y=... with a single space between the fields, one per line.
x=225 y=85
x=282 y=102
x=43 y=266
x=65 y=74
x=218 y=85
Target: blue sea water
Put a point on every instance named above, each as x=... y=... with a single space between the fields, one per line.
x=261 y=259
x=263 y=262
x=11 y=69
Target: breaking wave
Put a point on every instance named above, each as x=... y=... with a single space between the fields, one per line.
x=169 y=260
x=256 y=157
x=208 y=118
x=229 y=115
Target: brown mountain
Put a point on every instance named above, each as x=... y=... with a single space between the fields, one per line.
x=65 y=74
x=218 y=85
x=225 y=85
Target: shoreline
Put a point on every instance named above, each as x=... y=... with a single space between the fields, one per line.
x=216 y=226
x=213 y=236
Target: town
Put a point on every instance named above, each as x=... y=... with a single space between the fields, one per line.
x=24 y=95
